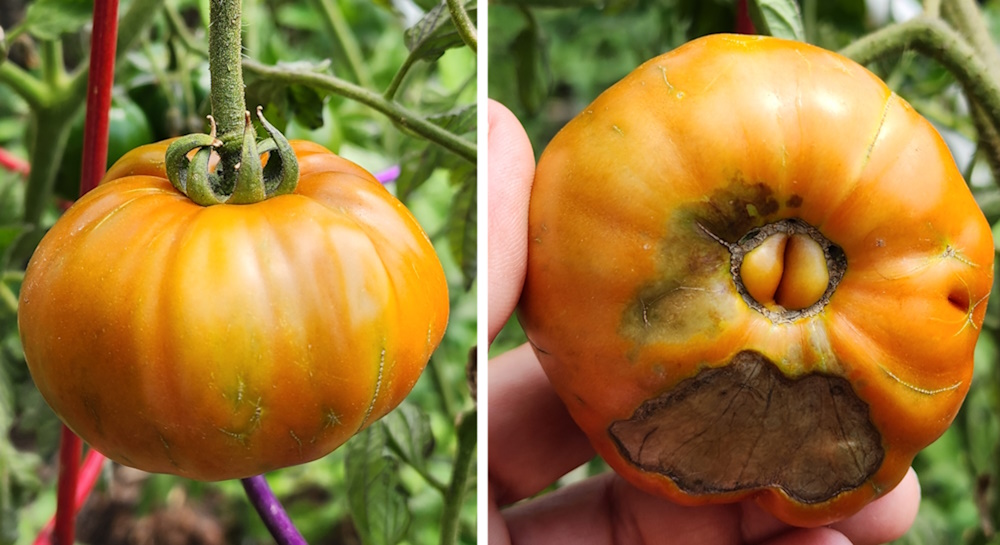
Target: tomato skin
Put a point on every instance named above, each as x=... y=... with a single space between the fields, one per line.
x=627 y=296
x=226 y=341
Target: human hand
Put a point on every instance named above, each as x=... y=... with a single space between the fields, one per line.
x=533 y=441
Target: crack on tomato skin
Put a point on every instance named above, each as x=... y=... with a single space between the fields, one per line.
x=918 y=389
x=378 y=386
x=166 y=449
x=297 y=441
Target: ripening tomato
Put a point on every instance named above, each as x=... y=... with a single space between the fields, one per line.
x=755 y=272
x=225 y=341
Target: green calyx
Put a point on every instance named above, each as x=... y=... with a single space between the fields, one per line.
x=238 y=178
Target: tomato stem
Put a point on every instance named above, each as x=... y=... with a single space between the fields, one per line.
x=457 y=488
x=965 y=16
x=271 y=512
x=225 y=46
x=394 y=111
x=937 y=40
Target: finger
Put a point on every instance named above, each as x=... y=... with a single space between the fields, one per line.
x=532 y=439
x=511 y=169
x=811 y=536
x=497 y=526
x=605 y=510
x=887 y=518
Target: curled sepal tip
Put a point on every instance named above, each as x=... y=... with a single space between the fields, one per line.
x=191 y=176
x=240 y=177
x=281 y=173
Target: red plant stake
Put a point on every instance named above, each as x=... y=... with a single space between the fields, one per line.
x=95 y=156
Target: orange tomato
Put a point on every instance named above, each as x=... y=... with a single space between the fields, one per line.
x=226 y=341
x=755 y=272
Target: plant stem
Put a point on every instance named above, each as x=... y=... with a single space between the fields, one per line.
x=937 y=40
x=932 y=8
x=466 y=28
x=26 y=86
x=180 y=30
x=348 y=43
x=225 y=65
x=51 y=134
x=101 y=80
x=271 y=511
x=451 y=514
x=966 y=17
x=70 y=450
x=397 y=113
x=397 y=79
x=53 y=67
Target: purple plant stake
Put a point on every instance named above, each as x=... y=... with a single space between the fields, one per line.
x=271 y=511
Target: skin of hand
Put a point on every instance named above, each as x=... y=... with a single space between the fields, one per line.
x=533 y=441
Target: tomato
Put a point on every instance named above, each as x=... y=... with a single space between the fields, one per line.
x=226 y=341
x=756 y=272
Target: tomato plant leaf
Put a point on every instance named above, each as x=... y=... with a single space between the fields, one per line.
x=409 y=429
x=778 y=18
x=530 y=65
x=307 y=104
x=48 y=19
x=422 y=157
x=376 y=497
x=462 y=224
x=435 y=33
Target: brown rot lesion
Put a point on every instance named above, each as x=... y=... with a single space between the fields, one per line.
x=746 y=426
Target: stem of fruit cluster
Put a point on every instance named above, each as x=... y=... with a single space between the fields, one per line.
x=966 y=17
x=395 y=112
x=937 y=40
x=450 y=516
x=466 y=28
x=271 y=511
x=225 y=45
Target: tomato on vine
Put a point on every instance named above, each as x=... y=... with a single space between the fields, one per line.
x=220 y=341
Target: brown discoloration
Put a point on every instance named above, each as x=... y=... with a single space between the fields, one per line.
x=731 y=211
x=795 y=201
x=746 y=426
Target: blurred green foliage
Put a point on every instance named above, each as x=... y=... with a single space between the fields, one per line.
x=548 y=59
x=390 y=483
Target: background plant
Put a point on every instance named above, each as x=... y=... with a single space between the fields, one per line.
x=384 y=84
x=941 y=56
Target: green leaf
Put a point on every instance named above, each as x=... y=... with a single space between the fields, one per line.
x=409 y=428
x=307 y=104
x=528 y=54
x=49 y=19
x=435 y=33
x=424 y=157
x=778 y=18
x=377 y=500
x=462 y=224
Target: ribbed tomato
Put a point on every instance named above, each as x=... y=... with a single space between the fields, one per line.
x=756 y=272
x=225 y=341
